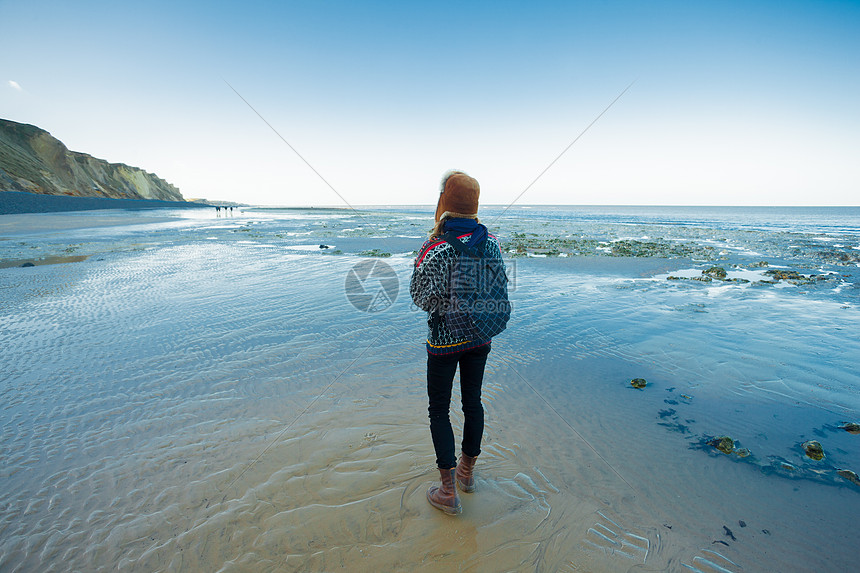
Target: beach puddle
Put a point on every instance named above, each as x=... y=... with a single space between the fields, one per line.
x=43 y=261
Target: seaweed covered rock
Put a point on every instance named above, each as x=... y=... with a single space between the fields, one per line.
x=851 y=427
x=638 y=383
x=373 y=253
x=780 y=274
x=849 y=475
x=723 y=443
x=813 y=450
x=715 y=272
x=656 y=248
x=786 y=466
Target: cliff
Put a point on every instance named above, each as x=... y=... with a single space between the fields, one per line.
x=34 y=161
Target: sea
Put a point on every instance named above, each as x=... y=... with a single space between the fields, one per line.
x=243 y=391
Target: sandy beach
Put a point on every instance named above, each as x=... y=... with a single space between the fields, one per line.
x=200 y=393
x=45 y=223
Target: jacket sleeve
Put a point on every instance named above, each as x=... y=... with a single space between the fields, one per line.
x=429 y=284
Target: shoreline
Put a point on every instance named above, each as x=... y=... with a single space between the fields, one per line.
x=18 y=202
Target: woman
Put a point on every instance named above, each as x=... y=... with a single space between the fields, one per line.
x=457 y=212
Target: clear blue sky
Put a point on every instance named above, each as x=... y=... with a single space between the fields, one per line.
x=733 y=102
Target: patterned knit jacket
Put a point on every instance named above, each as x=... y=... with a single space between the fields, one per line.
x=430 y=284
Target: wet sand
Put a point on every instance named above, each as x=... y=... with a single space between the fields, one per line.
x=205 y=403
x=40 y=223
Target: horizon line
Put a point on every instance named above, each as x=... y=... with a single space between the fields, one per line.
x=531 y=205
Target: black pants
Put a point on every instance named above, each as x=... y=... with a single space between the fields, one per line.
x=440 y=380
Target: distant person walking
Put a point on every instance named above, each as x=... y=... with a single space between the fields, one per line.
x=457 y=233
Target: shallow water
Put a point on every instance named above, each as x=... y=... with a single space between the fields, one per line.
x=199 y=394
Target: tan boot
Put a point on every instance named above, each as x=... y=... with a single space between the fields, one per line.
x=465 y=478
x=445 y=496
